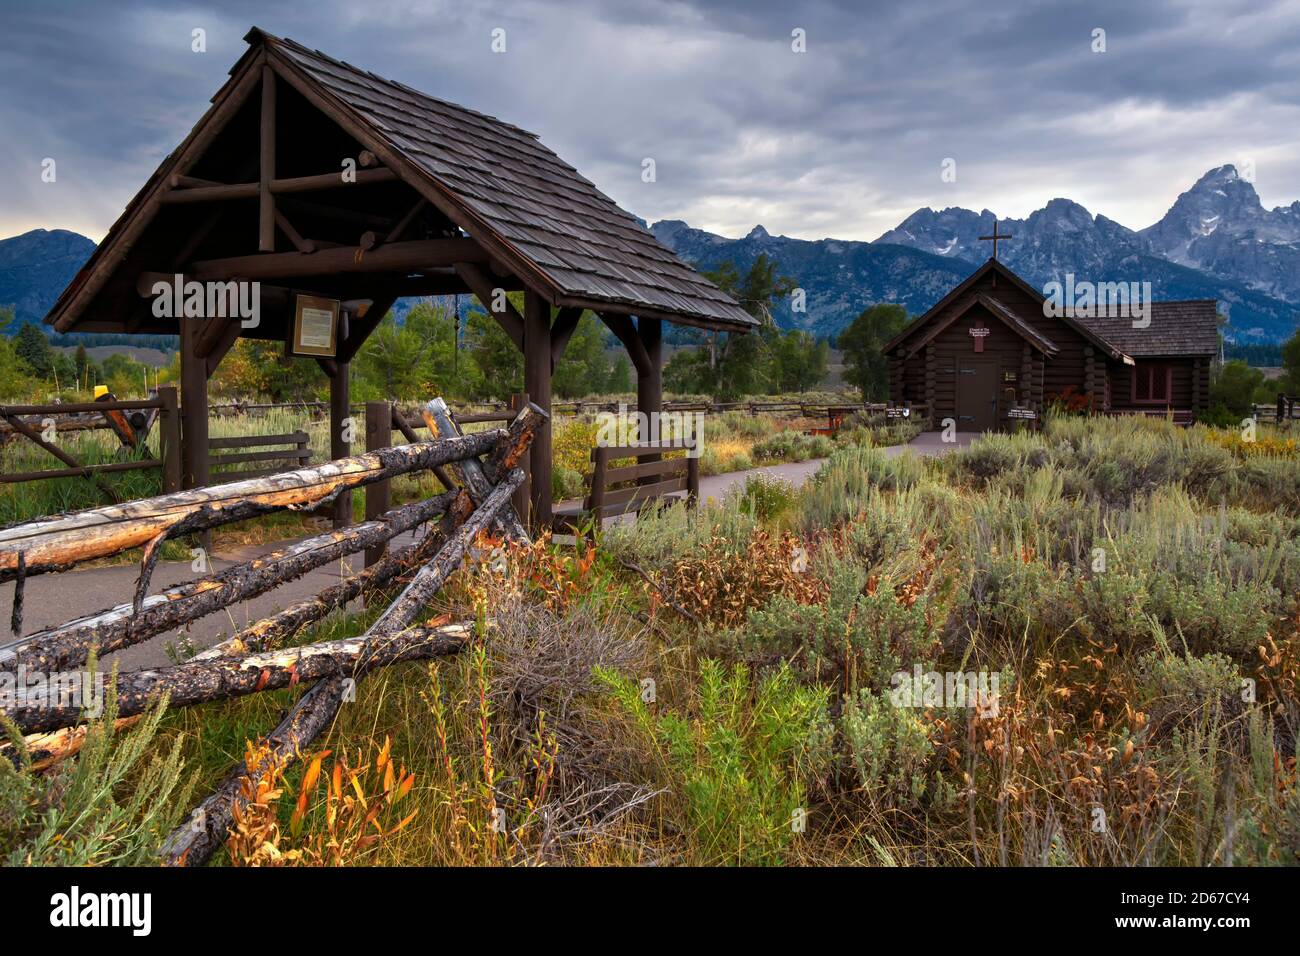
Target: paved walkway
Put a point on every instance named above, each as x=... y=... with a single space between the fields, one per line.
x=927 y=444
x=51 y=599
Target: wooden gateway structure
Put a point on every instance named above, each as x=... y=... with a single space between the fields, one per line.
x=992 y=352
x=338 y=192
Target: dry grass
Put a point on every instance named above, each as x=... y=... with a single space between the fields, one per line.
x=1146 y=710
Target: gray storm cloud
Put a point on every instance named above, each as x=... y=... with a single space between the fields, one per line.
x=843 y=140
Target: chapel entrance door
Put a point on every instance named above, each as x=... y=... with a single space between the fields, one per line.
x=977 y=394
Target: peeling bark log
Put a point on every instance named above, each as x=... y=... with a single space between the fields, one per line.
x=69 y=645
x=53 y=544
x=226 y=678
x=194 y=842
x=48 y=749
x=400 y=423
x=506 y=455
x=272 y=631
x=438 y=417
x=16 y=613
x=430 y=578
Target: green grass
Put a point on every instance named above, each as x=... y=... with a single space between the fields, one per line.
x=1127 y=583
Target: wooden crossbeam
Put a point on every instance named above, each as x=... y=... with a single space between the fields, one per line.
x=625 y=331
x=484 y=288
x=305 y=246
x=566 y=323
x=398 y=257
x=405 y=222
x=277 y=187
x=360 y=327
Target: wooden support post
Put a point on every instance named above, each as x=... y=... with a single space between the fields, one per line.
x=1090 y=377
x=379 y=496
x=537 y=383
x=650 y=380
x=266 y=202
x=596 y=496
x=195 y=465
x=340 y=447
x=523 y=497
x=194 y=409
x=169 y=439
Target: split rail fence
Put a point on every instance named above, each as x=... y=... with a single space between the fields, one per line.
x=481 y=472
x=130 y=420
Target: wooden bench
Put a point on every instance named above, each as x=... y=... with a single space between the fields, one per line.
x=613 y=491
x=284 y=458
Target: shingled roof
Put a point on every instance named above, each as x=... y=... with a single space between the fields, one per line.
x=574 y=236
x=532 y=212
x=1014 y=322
x=1176 y=328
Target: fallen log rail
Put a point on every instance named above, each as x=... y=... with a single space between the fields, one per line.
x=58 y=543
x=114 y=628
x=262 y=657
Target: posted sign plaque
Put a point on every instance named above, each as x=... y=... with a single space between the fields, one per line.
x=315 y=327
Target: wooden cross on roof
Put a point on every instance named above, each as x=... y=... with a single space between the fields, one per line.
x=996 y=236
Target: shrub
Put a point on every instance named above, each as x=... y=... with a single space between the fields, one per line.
x=842 y=487
x=735 y=759
x=567 y=484
x=857 y=634
x=113 y=805
x=662 y=536
x=1177 y=688
x=765 y=498
x=890 y=751
x=793 y=446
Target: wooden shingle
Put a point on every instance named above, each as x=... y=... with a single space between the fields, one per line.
x=572 y=235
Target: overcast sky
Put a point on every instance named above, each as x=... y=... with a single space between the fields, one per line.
x=843 y=140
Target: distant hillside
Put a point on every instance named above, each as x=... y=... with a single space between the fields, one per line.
x=35 y=268
x=841 y=278
x=152 y=357
x=1216 y=242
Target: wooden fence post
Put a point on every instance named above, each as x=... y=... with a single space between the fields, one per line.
x=523 y=496
x=596 y=496
x=169 y=439
x=340 y=447
x=379 y=434
x=692 y=480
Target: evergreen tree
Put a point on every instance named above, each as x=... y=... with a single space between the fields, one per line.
x=729 y=365
x=1290 y=383
x=34 y=349
x=81 y=362
x=866 y=366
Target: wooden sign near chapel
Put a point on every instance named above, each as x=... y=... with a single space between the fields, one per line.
x=315 y=327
